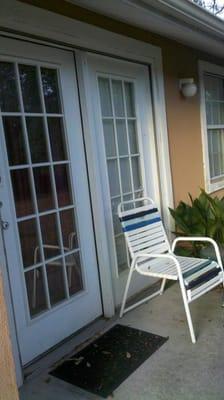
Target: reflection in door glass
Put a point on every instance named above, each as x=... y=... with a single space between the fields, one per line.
x=14 y=138
x=117 y=99
x=41 y=184
x=9 y=100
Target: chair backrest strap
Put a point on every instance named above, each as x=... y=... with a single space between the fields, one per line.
x=142 y=227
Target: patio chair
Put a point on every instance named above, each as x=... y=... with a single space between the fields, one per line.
x=152 y=256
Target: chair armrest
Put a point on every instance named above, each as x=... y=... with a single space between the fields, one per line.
x=199 y=239
x=155 y=255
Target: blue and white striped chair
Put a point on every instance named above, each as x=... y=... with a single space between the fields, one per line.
x=153 y=256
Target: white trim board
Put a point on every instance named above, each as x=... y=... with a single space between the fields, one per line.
x=179 y=20
x=213 y=69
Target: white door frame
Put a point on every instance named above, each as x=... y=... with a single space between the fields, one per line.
x=39 y=26
x=94 y=64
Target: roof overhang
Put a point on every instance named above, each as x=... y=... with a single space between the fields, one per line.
x=180 y=20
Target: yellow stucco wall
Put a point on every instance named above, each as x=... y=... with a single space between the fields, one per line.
x=183 y=115
x=8 y=388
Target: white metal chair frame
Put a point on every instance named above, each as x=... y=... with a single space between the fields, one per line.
x=170 y=256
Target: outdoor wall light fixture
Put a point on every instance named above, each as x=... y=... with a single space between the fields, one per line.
x=187 y=87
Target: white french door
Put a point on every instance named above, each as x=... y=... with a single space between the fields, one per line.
x=123 y=125
x=44 y=189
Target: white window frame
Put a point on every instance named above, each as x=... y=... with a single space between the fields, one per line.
x=206 y=67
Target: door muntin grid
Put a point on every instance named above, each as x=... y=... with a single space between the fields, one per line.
x=35 y=138
x=119 y=122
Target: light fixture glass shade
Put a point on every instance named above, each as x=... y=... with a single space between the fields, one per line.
x=189 y=89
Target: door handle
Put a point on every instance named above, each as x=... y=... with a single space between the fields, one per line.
x=3 y=224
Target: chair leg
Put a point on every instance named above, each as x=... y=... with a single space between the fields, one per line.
x=126 y=290
x=188 y=314
x=162 y=287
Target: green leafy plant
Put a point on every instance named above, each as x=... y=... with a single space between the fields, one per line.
x=204 y=216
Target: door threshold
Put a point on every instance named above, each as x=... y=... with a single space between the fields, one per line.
x=47 y=361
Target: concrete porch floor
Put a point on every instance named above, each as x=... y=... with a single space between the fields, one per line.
x=179 y=370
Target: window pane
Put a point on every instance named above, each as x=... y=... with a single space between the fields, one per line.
x=57 y=138
x=51 y=91
x=216 y=141
x=105 y=97
x=37 y=139
x=30 y=88
x=63 y=185
x=49 y=231
x=109 y=137
x=125 y=175
x=122 y=137
x=118 y=98
x=35 y=291
x=113 y=177
x=214 y=95
x=8 y=89
x=74 y=273
x=69 y=231
x=129 y=98
x=22 y=192
x=214 y=87
x=43 y=188
x=55 y=280
x=14 y=140
x=29 y=242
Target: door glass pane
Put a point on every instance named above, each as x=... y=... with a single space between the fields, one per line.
x=22 y=192
x=133 y=140
x=116 y=222
x=30 y=88
x=118 y=98
x=29 y=242
x=62 y=185
x=129 y=98
x=109 y=137
x=14 y=140
x=113 y=177
x=37 y=139
x=40 y=176
x=105 y=97
x=35 y=291
x=136 y=172
x=51 y=91
x=57 y=138
x=122 y=137
x=9 y=100
x=69 y=230
x=124 y=173
x=43 y=187
x=49 y=231
x=121 y=252
x=74 y=273
x=55 y=280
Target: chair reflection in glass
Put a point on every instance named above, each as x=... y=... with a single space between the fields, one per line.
x=71 y=262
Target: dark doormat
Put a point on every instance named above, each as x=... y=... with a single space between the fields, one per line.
x=104 y=364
